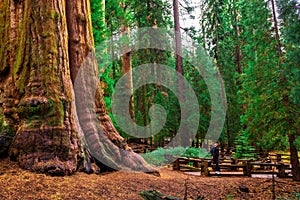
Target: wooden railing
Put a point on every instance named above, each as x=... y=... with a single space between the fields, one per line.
x=247 y=167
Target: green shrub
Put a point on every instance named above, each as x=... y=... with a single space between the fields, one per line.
x=164 y=156
x=192 y=152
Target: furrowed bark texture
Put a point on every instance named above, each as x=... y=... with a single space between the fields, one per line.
x=6 y=132
x=103 y=140
x=45 y=43
x=37 y=95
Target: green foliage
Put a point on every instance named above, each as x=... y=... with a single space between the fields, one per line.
x=4 y=128
x=219 y=38
x=98 y=21
x=260 y=94
x=109 y=85
x=6 y=135
x=263 y=98
x=265 y=95
x=145 y=14
x=192 y=152
x=150 y=13
x=296 y=195
x=162 y=156
x=297 y=143
x=104 y=60
x=243 y=149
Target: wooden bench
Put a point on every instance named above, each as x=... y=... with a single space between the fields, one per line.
x=183 y=162
x=280 y=157
x=232 y=166
x=202 y=164
x=205 y=167
x=280 y=167
x=248 y=166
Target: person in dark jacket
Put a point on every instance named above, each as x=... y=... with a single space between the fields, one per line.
x=215 y=156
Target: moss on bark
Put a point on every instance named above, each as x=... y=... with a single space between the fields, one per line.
x=46 y=138
x=4 y=34
x=47 y=43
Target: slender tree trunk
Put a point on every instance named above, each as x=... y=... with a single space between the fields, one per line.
x=294 y=157
x=177 y=37
x=228 y=132
x=286 y=10
x=47 y=43
x=276 y=28
x=237 y=47
x=179 y=64
x=239 y=59
x=126 y=61
x=178 y=47
x=217 y=51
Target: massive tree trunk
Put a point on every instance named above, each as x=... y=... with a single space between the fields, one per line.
x=45 y=44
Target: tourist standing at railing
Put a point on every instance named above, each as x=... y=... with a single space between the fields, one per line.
x=215 y=157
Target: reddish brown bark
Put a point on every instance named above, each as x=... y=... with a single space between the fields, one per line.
x=46 y=43
x=45 y=137
x=294 y=158
x=237 y=47
x=126 y=61
x=178 y=48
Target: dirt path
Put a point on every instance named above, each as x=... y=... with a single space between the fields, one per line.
x=19 y=184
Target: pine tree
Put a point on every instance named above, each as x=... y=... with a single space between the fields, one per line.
x=259 y=66
x=219 y=38
x=289 y=80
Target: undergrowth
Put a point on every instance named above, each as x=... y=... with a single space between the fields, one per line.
x=165 y=156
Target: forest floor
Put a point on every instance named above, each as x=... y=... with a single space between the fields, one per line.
x=19 y=184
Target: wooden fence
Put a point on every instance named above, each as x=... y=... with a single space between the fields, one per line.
x=247 y=167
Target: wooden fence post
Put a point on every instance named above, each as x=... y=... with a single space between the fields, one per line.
x=248 y=169
x=176 y=165
x=278 y=157
x=205 y=168
x=281 y=170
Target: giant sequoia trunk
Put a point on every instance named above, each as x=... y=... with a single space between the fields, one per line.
x=43 y=46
